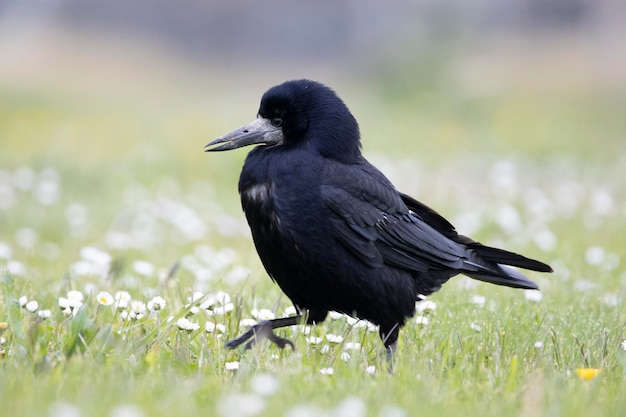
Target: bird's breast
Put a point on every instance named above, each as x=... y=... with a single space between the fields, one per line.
x=258 y=203
x=258 y=194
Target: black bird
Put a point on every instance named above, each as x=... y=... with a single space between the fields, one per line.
x=331 y=229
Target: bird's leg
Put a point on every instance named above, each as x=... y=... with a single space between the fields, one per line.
x=390 y=340
x=264 y=330
x=391 y=351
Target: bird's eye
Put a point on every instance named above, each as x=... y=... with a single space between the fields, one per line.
x=277 y=122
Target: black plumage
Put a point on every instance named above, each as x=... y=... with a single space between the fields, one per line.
x=331 y=229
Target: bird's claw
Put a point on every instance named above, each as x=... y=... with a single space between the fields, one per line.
x=259 y=331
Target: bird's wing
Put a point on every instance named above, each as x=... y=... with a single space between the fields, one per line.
x=373 y=222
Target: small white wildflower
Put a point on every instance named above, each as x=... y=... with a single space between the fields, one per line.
x=425 y=306
x=327 y=371
x=226 y=308
x=207 y=303
x=143 y=268
x=75 y=298
x=104 y=298
x=197 y=295
x=16 y=267
x=533 y=295
x=313 y=340
x=623 y=345
x=264 y=384
x=184 y=324
x=90 y=288
x=335 y=315
x=247 y=322
x=538 y=345
x=96 y=256
x=138 y=307
x=67 y=311
x=23 y=300
x=422 y=320
x=64 y=303
x=478 y=300
x=291 y=311
x=44 y=314
x=352 y=346
x=371 y=327
x=122 y=298
x=354 y=321
x=325 y=349
x=334 y=338
x=124 y=315
x=345 y=356
x=210 y=327
x=222 y=298
x=265 y=314
x=475 y=327
x=135 y=316
x=6 y=252
x=157 y=303
x=231 y=366
x=193 y=310
x=371 y=369
x=595 y=255
x=32 y=306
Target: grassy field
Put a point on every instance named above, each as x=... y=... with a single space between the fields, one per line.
x=101 y=194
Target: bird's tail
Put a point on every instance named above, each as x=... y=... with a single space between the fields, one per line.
x=489 y=264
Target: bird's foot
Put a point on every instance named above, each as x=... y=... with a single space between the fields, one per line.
x=260 y=331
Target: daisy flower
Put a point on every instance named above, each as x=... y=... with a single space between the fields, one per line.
x=44 y=314
x=22 y=301
x=74 y=299
x=263 y=314
x=32 y=306
x=104 y=298
x=157 y=303
x=137 y=308
x=184 y=324
x=327 y=371
x=122 y=298
x=334 y=338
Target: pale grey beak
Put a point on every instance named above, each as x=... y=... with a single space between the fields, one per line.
x=260 y=131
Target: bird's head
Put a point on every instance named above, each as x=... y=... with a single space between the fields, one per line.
x=295 y=113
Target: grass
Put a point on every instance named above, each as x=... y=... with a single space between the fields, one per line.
x=129 y=179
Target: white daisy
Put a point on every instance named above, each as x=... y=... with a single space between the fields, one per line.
x=184 y=324
x=104 y=298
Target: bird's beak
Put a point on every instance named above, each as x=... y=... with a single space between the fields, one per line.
x=260 y=131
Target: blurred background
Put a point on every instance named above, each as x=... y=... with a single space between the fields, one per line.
x=107 y=105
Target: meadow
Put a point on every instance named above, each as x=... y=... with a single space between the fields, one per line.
x=125 y=260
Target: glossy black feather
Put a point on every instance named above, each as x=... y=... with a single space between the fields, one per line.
x=335 y=234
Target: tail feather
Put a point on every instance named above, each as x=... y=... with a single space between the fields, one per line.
x=503 y=275
x=501 y=256
x=489 y=264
